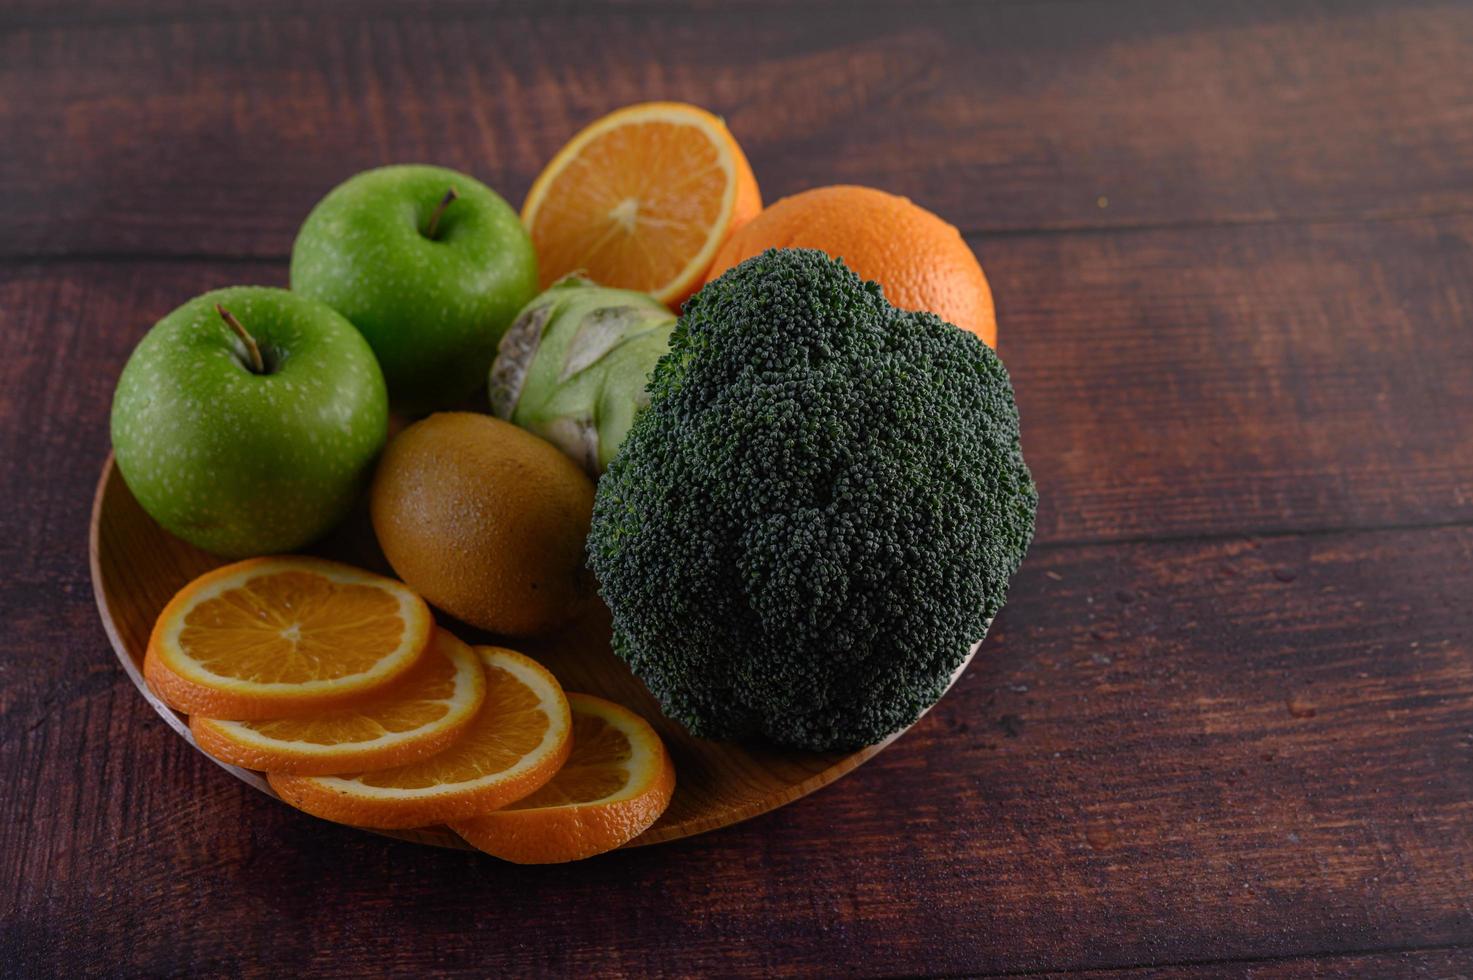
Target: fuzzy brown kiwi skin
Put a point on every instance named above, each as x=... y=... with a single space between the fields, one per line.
x=486 y=521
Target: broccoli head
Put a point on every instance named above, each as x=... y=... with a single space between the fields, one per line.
x=819 y=512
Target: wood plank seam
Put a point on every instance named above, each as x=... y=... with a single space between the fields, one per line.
x=974 y=234
x=1205 y=537
x=482 y=13
x=1226 y=961
x=1226 y=221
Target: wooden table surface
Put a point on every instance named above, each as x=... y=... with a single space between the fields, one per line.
x=1225 y=724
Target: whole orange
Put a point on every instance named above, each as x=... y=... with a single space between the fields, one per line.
x=486 y=521
x=920 y=260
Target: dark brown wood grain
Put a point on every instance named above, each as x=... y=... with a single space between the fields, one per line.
x=194 y=131
x=1156 y=678
x=1280 y=377
x=1230 y=749
x=1224 y=726
x=1449 y=963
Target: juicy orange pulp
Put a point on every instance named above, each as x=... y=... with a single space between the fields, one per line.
x=519 y=739
x=292 y=627
x=283 y=637
x=596 y=768
x=617 y=781
x=414 y=718
x=520 y=726
x=641 y=199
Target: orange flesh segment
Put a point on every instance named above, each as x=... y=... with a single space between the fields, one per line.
x=596 y=768
x=421 y=700
x=633 y=207
x=486 y=749
x=292 y=627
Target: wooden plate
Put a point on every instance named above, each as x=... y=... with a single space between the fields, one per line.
x=137 y=567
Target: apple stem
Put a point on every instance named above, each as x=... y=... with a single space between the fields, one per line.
x=434 y=224
x=253 y=350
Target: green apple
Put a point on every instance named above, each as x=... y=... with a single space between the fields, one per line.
x=429 y=264
x=247 y=420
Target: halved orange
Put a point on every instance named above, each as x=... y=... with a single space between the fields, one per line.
x=641 y=199
x=514 y=746
x=616 y=782
x=283 y=637
x=414 y=718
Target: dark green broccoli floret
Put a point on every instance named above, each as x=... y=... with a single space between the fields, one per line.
x=819 y=512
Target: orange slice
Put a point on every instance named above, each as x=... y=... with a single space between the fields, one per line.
x=516 y=743
x=616 y=782
x=413 y=719
x=282 y=637
x=641 y=199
